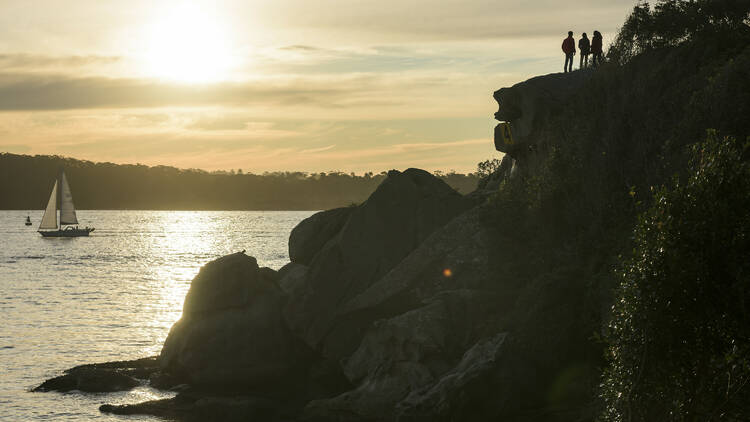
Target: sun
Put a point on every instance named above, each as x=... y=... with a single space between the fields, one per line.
x=188 y=44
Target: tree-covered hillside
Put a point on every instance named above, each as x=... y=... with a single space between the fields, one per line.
x=26 y=181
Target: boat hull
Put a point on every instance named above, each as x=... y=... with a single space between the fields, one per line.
x=67 y=232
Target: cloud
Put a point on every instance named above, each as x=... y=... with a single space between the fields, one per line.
x=317 y=150
x=219 y=123
x=58 y=92
x=353 y=95
x=449 y=20
x=37 y=63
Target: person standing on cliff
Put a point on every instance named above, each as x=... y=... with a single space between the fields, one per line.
x=585 y=47
x=569 y=48
x=596 y=49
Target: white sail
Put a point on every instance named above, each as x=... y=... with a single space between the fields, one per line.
x=49 y=219
x=67 y=209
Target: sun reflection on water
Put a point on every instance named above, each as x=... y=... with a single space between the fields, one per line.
x=112 y=296
x=182 y=233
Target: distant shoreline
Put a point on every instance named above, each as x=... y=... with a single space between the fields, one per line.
x=26 y=182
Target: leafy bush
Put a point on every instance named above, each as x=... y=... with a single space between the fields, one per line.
x=671 y=22
x=680 y=329
x=487 y=167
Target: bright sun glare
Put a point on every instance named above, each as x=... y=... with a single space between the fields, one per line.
x=188 y=44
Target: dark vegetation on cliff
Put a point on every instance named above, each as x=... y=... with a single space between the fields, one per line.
x=677 y=342
x=25 y=183
x=601 y=272
x=679 y=335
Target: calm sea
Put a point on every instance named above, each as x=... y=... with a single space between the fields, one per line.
x=112 y=296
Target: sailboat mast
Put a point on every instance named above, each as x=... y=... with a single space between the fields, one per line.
x=59 y=196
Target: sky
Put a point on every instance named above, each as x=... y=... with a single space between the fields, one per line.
x=284 y=85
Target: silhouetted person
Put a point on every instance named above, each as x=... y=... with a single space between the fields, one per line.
x=596 y=49
x=569 y=48
x=585 y=47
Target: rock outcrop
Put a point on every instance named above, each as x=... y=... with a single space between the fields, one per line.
x=531 y=106
x=468 y=391
x=311 y=235
x=376 y=236
x=232 y=334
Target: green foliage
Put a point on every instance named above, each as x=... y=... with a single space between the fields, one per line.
x=487 y=167
x=680 y=329
x=671 y=22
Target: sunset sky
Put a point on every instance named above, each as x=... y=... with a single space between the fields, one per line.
x=275 y=85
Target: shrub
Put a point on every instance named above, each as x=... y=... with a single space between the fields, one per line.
x=671 y=22
x=679 y=336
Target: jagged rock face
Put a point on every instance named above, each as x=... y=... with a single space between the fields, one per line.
x=403 y=211
x=232 y=334
x=410 y=352
x=460 y=247
x=417 y=322
x=463 y=392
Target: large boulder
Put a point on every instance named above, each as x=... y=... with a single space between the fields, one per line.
x=292 y=278
x=310 y=235
x=378 y=234
x=232 y=334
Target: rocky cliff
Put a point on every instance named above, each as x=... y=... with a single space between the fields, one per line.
x=423 y=304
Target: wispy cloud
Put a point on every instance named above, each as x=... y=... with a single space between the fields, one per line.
x=43 y=63
x=58 y=92
x=317 y=150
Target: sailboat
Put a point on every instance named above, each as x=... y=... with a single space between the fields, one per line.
x=28 y=220
x=48 y=227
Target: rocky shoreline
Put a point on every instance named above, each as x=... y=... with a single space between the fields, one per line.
x=383 y=310
x=388 y=310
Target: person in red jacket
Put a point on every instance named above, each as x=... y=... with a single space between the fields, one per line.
x=596 y=48
x=569 y=48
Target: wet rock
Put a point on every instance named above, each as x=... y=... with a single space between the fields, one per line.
x=310 y=235
x=402 y=212
x=186 y=407
x=90 y=380
x=103 y=377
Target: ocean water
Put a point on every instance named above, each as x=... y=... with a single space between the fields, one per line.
x=111 y=296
